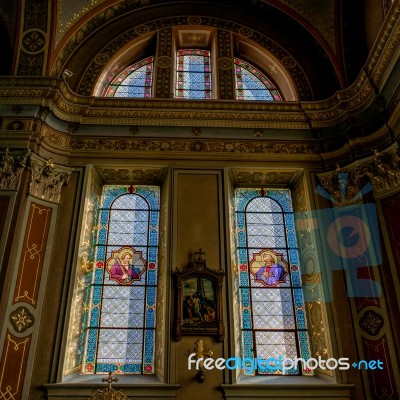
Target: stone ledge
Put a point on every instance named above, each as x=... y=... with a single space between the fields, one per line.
x=315 y=391
x=83 y=391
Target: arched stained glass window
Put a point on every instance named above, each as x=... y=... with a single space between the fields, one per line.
x=135 y=81
x=251 y=84
x=121 y=323
x=193 y=74
x=273 y=322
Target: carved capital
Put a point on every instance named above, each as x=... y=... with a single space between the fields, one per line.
x=47 y=178
x=11 y=167
x=344 y=186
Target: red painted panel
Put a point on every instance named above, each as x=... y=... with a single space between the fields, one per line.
x=382 y=381
x=33 y=252
x=13 y=366
x=390 y=208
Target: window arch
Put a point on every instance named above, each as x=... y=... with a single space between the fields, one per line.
x=134 y=81
x=193 y=79
x=121 y=324
x=272 y=315
x=252 y=84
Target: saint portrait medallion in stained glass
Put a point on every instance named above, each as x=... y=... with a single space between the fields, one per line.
x=121 y=331
x=133 y=82
x=272 y=313
x=252 y=84
x=193 y=74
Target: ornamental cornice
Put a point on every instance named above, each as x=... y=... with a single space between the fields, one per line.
x=67 y=106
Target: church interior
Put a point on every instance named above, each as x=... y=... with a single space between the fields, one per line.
x=196 y=193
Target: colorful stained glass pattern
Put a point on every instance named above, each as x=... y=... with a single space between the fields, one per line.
x=252 y=84
x=121 y=331
x=134 y=82
x=193 y=74
x=272 y=307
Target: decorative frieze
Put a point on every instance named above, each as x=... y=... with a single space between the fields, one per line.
x=11 y=167
x=208 y=146
x=47 y=179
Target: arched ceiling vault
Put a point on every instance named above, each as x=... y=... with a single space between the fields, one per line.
x=301 y=33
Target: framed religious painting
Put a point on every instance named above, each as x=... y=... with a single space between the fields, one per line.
x=199 y=301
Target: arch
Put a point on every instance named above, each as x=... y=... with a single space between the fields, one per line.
x=312 y=65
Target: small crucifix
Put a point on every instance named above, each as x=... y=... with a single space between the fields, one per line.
x=109 y=380
x=200 y=253
x=200 y=355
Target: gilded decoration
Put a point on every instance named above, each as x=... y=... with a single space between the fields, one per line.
x=157 y=112
x=21 y=319
x=34 y=41
x=55 y=138
x=264 y=177
x=164 y=61
x=209 y=146
x=13 y=366
x=32 y=257
x=382 y=170
x=15 y=125
x=225 y=63
x=11 y=167
x=31 y=58
x=143 y=176
x=47 y=178
x=371 y=322
x=101 y=59
x=109 y=393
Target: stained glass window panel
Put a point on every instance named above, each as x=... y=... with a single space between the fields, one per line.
x=272 y=307
x=252 y=84
x=121 y=332
x=193 y=74
x=134 y=82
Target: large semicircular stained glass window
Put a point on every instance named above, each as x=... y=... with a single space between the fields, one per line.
x=252 y=84
x=134 y=81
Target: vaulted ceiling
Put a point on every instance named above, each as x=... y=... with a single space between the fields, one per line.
x=328 y=40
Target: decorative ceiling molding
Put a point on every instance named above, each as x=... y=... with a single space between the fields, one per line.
x=264 y=177
x=147 y=175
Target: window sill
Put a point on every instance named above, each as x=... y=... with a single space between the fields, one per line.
x=140 y=387
x=294 y=387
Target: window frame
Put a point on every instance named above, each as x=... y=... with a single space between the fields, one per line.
x=247 y=345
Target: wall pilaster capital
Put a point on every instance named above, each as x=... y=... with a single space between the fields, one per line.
x=11 y=166
x=47 y=178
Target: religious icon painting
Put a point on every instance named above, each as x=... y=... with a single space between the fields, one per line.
x=269 y=268
x=199 y=300
x=199 y=306
x=125 y=265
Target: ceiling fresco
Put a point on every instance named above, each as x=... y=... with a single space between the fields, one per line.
x=69 y=12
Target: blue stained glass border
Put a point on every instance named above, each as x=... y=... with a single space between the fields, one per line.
x=283 y=197
x=152 y=196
